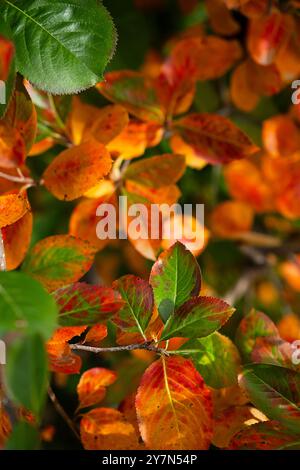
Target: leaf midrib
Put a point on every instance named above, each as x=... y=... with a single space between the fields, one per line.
x=47 y=32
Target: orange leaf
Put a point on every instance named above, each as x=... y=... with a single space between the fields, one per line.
x=107 y=429
x=192 y=159
x=231 y=218
x=246 y=183
x=204 y=58
x=12 y=146
x=61 y=358
x=21 y=115
x=76 y=170
x=255 y=8
x=102 y=124
x=7 y=51
x=135 y=138
x=214 y=138
x=16 y=238
x=281 y=136
x=221 y=20
x=59 y=260
x=91 y=387
x=250 y=81
x=228 y=422
x=266 y=35
x=96 y=334
x=41 y=146
x=5 y=426
x=13 y=205
x=84 y=220
x=135 y=92
x=174 y=406
x=289 y=326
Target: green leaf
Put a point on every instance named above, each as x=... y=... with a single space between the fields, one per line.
x=198 y=317
x=216 y=358
x=61 y=46
x=275 y=391
x=6 y=34
x=255 y=325
x=59 y=260
x=158 y=171
x=85 y=304
x=27 y=372
x=175 y=277
x=23 y=437
x=135 y=316
x=25 y=305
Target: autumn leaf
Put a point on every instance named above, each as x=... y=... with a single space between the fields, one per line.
x=216 y=358
x=5 y=426
x=229 y=422
x=12 y=146
x=254 y=325
x=85 y=304
x=91 y=386
x=275 y=391
x=214 y=138
x=76 y=170
x=197 y=317
x=107 y=429
x=61 y=358
x=13 y=206
x=16 y=239
x=59 y=260
x=135 y=315
x=221 y=20
x=264 y=436
x=281 y=136
x=158 y=171
x=84 y=220
x=103 y=124
x=174 y=406
x=95 y=335
x=7 y=51
x=175 y=277
x=135 y=92
x=231 y=218
x=266 y=35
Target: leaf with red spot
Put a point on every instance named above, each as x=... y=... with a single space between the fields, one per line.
x=214 y=138
x=264 y=436
x=158 y=171
x=136 y=314
x=21 y=115
x=86 y=304
x=5 y=426
x=281 y=136
x=197 y=317
x=135 y=92
x=107 y=429
x=266 y=35
x=174 y=406
x=76 y=170
x=103 y=124
x=254 y=325
x=59 y=260
x=92 y=385
x=12 y=146
x=228 y=422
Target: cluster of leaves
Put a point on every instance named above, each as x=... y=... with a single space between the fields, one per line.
x=200 y=106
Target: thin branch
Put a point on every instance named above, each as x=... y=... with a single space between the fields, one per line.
x=62 y=413
x=243 y=285
x=130 y=347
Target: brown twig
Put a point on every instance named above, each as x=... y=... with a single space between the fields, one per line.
x=62 y=413
x=130 y=347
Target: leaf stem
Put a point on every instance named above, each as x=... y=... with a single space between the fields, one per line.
x=62 y=413
x=18 y=179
